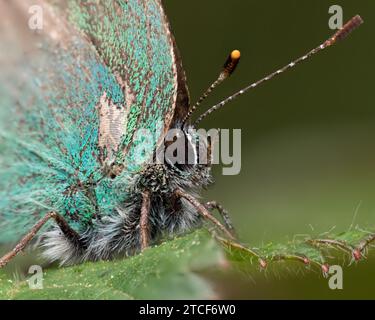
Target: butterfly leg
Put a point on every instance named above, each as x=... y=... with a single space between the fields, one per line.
x=64 y=226
x=212 y=205
x=144 y=220
x=203 y=211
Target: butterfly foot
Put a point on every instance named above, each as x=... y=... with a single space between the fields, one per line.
x=212 y=205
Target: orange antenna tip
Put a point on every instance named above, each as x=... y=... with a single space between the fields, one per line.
x=231 y=63
x=235 y=55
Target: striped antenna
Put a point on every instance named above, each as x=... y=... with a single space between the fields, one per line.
x=341 y=34
x=229 y=67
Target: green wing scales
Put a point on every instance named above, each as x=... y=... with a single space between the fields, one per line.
x=73 y=95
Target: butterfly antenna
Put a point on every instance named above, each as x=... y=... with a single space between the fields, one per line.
x=341 y=34
x=229 y=67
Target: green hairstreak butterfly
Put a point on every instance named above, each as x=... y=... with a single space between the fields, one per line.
x=77 y=96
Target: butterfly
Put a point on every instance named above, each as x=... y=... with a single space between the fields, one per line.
x=77 y=97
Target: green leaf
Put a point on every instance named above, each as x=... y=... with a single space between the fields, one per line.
x=309 y=252
x=168 y=271
x=171 y=270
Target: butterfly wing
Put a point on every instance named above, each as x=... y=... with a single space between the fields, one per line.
x=134 y=40
x=72 y=97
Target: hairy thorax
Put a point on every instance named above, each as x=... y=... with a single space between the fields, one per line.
x=118 y=234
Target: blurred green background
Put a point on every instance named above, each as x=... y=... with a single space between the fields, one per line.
x=308 y=153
